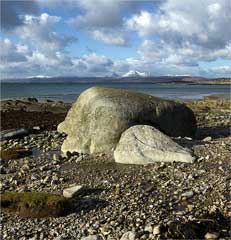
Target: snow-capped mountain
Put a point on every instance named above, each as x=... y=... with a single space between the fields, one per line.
x=134 y=73
x=39 y=76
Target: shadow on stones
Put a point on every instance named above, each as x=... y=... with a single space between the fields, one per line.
x=90 y=191
x=85 y=201
x=196 y=229
x=188 y=143
x=86 y=205
x=214 y=132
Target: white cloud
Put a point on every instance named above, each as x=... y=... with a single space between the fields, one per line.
x=143 y=23
x=177 y=22
x=180 y=35
x=40 y=32
x=11 y=12
x=104 y=19
x=214 y=9
x=11 y=53
x=224 y=71
x=97 y=14
x=173 y=38
x=163 y=53
x=111 y=37
x=94 y=64
x=186 y=54
x=47 y=47
x=160 y=68
x=42 y=49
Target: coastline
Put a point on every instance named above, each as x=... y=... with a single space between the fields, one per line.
x=29 y=112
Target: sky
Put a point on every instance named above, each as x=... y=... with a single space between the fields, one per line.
x=110 y=37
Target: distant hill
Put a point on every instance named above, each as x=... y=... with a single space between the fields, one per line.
x=117 y=79
x=216 y=81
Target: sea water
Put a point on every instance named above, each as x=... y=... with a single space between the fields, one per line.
x=68 y=92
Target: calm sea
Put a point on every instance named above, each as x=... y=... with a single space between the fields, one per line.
x=68 y=92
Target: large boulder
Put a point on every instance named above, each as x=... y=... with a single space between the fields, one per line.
x=99 y=116
x=142 y=144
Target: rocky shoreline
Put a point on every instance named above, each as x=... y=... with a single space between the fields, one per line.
x=158 y=201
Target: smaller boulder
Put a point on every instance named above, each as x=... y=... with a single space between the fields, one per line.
x=70 y=192
x=143 y=144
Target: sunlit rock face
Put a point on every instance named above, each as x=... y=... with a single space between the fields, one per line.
x=142 y=144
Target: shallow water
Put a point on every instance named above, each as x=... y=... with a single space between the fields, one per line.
x=68 y=92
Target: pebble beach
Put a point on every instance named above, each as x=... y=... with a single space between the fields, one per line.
x=158 y=201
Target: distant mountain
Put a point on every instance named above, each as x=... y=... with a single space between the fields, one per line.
x=114 y=78
x=39 y=76
x=133 y=73
x=114 y=75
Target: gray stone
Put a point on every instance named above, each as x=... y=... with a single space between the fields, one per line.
x=70 y=192
x=156 y=230
x=144 y=144
x=207 y=139
x=211 y=235
x=188 y=194
x=128 y=236
x=55 y=157
x=30 y=99
x=13 y=133
x=100 y=115
x=92 y=237
x=59 y=238
x=148 y=228
x=37 y=128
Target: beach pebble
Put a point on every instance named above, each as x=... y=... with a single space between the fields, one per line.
x=37 y=128
x=188 y=194
x=148 y=228
x=190 y=207
x=212 y=235
x=156 y=230
x=55 y=157
x=188 y=138
x=128 y=236
x=59 y=238
x=70 y=192
x=207 y=139
x=92 y=237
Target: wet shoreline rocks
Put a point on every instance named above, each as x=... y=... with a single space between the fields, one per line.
x=13 y=133
x=33 y=105
x=16 y=114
